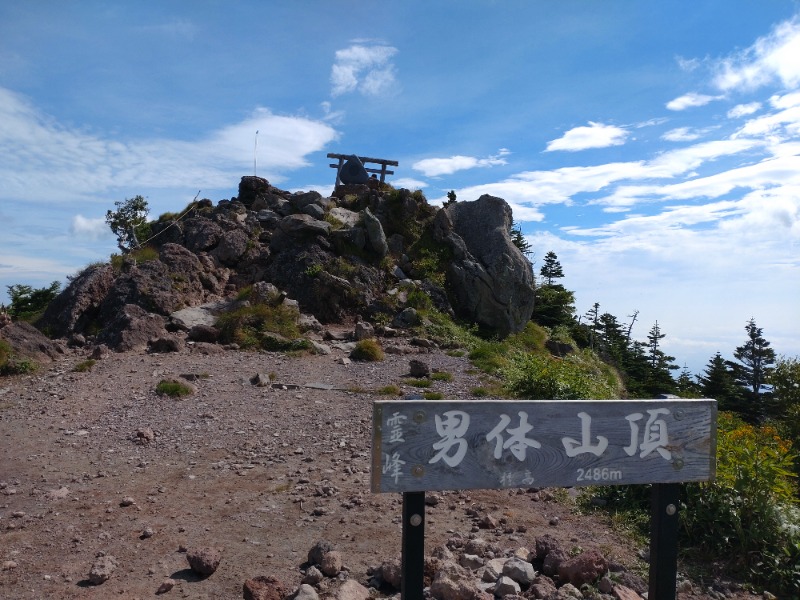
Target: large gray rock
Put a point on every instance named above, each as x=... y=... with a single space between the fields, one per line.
x=131 y=329
x=454 y=582
x=79 y=304
x=375 y=233
x=492 y=282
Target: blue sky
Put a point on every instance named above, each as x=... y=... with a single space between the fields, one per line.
x=654 y=146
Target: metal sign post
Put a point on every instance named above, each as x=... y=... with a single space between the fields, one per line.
x=443 y=445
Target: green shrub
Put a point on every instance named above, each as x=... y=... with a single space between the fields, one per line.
x=251 y=326
x=419 y=300
x=173 y=388
x=479 y=392
x=542 y=377
x=390 y=390
x=442 y=376
x=244 y=293
x=750 y=512
x=11 y=364
x=747 y=519
x=433 y=395
x=84 y=366
x=313 y=270
x=140 y=255
x=420 y=383
x=367 y=350
x=27 y=303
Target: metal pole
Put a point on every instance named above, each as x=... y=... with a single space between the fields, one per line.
x=413 y=547
x=664 y=504
x=255 y=156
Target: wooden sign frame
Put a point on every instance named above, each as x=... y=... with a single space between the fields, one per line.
x=449 y=445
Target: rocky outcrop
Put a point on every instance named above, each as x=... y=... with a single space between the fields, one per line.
x=339 y=257
x=490 y=280
x=29 y=342
x=77 y=308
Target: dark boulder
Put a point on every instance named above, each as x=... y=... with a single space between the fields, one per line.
x=491 y=281
x=77 y=308
x=131 y=329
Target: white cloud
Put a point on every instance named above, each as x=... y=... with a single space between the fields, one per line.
x=775 y=56
x=41 y=155
x=743 y=110
x=687 y=64
x=90 y=228
x=432 y=167
x=408 y=183
x=596 y=135
x=690 y=100
x=364 y=68
x=681 y=134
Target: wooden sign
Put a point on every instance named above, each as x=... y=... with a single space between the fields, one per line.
x=444 y=445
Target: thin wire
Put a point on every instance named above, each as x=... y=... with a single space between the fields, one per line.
x=192 y=206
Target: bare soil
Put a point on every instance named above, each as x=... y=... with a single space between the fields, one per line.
x=260 y=472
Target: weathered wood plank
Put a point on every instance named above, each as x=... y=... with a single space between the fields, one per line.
x=367 y=169
x=441 y=445
x=364 y=159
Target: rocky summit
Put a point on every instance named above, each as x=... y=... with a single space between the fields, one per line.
x=339 y=258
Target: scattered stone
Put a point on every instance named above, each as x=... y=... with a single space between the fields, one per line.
x=9 y=565
x=313 y=576
x=488 y=522
x=454 y=582
x=471 y=562
x=305 y=592
x=391 y=573
x=493 y=570
x=164 y=345
x=587 y=567
x=147 y=532
x=166 y=586
x=261 y=380
x=419 y=368
x=101 y=569
x=318 y=551
x=204 y=560
x=58 y=494
x=331 y=563
x=145 y=435
x=127 y=501
x=519 y=570
x=352 y=590
x=505 y=586
x=264 y=587
x=569 y=591
x=409 y=317
x=625 y=593
x=364 y=331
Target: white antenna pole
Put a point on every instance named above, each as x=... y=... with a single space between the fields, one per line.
x=255 y=155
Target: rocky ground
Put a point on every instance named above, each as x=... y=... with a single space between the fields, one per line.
x=101 y=477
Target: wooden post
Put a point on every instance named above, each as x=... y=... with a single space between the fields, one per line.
x=413 y=550
x=664 y=541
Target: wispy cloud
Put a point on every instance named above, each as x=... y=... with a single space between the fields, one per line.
x=774 y=57
x=367 y=69
x=41 y=155
x=691 y=100
x=681 y=134
x=743 y=110
x=92 y=228
x=432 y=167
x=596 y=135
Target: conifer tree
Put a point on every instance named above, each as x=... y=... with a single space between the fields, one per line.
x=551 y=269
x=719 y=383
x=755 y=359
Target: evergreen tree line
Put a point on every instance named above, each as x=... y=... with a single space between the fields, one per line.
x=738 y=385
